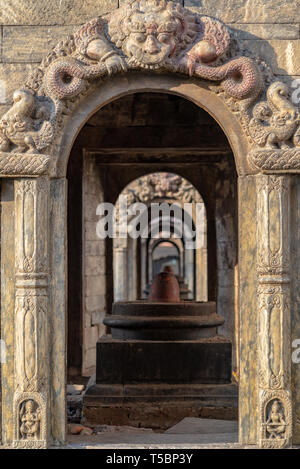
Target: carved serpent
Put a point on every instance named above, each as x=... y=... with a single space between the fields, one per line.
x=65 y=78
x=240 y=77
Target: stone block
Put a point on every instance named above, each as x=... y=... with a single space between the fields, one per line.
x=281 y=55
x=12 y=77
x=92 y=186
x=54 y=12
x=206 y=362
x=265 y=31
x=90 y=231
x=95 y=285
x=248 y=11
x=91 y=203
x=94 y=265
x=97 y=318
x=89 y=362
x=29 y=44
x=95 y=303
x=90 y=336
x=87 y=319
x=95 y=248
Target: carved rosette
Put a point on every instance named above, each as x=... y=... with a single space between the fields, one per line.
x=31 y=313
x=273 y=293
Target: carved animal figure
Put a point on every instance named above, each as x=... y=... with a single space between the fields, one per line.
x=276 y=120
x=25 y=125
x=152 y=34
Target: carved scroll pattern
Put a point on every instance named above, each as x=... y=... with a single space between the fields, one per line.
x=273 y=295
x=31 y=307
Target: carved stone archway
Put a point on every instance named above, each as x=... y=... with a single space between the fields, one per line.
x=147 y=46
x=161 y=187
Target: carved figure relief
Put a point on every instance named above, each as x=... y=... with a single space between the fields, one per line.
x=30 y=418
x=276 y=415
x=30 y=421
x=27 y=126
x=275 y=424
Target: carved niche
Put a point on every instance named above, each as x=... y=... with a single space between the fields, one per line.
x=30 y=428
x=162 y=37
x=276 y=415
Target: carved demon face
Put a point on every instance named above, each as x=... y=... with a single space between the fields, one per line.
x=151 y=40
x=152 y=32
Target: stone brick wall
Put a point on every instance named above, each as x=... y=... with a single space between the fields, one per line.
x=94 y=278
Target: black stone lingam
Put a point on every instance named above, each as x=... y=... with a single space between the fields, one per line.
x=158 y=343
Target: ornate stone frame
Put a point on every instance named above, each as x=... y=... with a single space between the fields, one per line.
x=262 y=126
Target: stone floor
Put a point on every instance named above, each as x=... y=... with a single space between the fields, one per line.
x=189 y=433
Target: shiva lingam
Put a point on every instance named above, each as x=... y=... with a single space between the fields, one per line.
x=163 y=316
x=184 y=288
x=159 y=351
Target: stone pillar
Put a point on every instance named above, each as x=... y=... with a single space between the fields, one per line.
x=144 y=276
x=189 y=270
x=31 y=399
x=273 y=297
x=248 y=393
x=120 y=271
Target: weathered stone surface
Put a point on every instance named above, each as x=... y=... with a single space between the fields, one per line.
x=281 y=55
x=95 y=285
x=248 y=11
x=7 y=306
x=94 y=248
x=97 y=318
x=12 y=77
x=93 y=303
x=30 y=44
x=121 y=2
x=248 y=398
x=295 y=313
x=266 y=31
x=57 y=318
x=44 y=12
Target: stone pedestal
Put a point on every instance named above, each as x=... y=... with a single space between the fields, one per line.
x=203 y=361
x=160 y=354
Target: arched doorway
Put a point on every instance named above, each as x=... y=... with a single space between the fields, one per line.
x=34 y=260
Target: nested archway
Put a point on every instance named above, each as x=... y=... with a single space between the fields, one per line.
x=55 y=108
x=163 y=188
